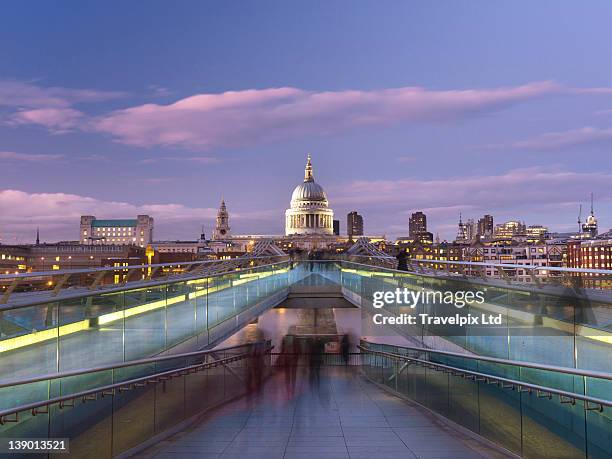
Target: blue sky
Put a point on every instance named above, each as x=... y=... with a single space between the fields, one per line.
x=115 y=108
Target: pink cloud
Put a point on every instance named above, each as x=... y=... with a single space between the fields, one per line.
x=204 y=160
x=58 y=213
x=247 y=117
x=513 y=188
x=27 y=94
x=57 y=120
x=560 y=140
x=27 y=157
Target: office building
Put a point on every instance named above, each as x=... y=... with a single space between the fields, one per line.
x=510 y=230
x=336 y=227
x=486 y=227
x=417 y=224
x=138 y=231
x=354 y=224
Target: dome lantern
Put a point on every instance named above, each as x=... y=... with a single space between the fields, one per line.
x=308 y=177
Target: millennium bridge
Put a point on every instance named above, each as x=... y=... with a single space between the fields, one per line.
x=155 y=361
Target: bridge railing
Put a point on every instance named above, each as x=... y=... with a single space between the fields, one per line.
x=532 y=410
x=132 y=321
x=529 y=273
x=556 y=324
x=15 y=287
x=106 y=411
x=561 y=325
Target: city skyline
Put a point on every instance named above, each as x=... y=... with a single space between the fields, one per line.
x=165 y=118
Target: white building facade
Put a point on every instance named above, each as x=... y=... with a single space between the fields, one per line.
x=309 y=212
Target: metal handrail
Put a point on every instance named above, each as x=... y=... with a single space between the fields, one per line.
x=526 y=287
x=516 y=266
x=111 y=388
x=520 y=363
x=129 y=363
x=202 y=262
x=386 y=257
x=61 y=272
x=506 y=383
x=113 y=288
x=483 y=263
x=416 y=260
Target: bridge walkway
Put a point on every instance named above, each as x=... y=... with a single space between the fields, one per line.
x=344 y=416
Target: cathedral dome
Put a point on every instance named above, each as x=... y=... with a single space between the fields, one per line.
x=309 y=191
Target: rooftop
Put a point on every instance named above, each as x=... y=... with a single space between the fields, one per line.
x=111 y=223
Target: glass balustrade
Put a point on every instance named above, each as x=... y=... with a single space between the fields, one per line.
x=529 y=424
x=103 y=328
x=108 y=425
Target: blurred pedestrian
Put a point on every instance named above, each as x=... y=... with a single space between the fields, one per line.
x=289 y=361
x=402 y=261
x=255 y=369
x=316 y=360
x=345 y=345
x=311 y=257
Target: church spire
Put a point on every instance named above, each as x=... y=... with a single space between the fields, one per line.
x=308 y=177
x=37 y=236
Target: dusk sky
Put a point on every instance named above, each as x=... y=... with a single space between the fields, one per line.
x=121 y=108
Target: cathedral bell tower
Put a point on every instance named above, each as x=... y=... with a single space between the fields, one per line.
x=222 y=228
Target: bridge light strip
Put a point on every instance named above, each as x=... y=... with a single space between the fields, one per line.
x=43 y=335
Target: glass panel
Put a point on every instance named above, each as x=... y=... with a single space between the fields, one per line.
x=133 y=418
x=180 y=313
x=200 y=294
x=87 y=424
x=552 y=429
x=145 y=322
x=463 y=402
x=91 y=331
x=28 y=334
x=220 y=299
x=169 y=403
x=195 y=393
